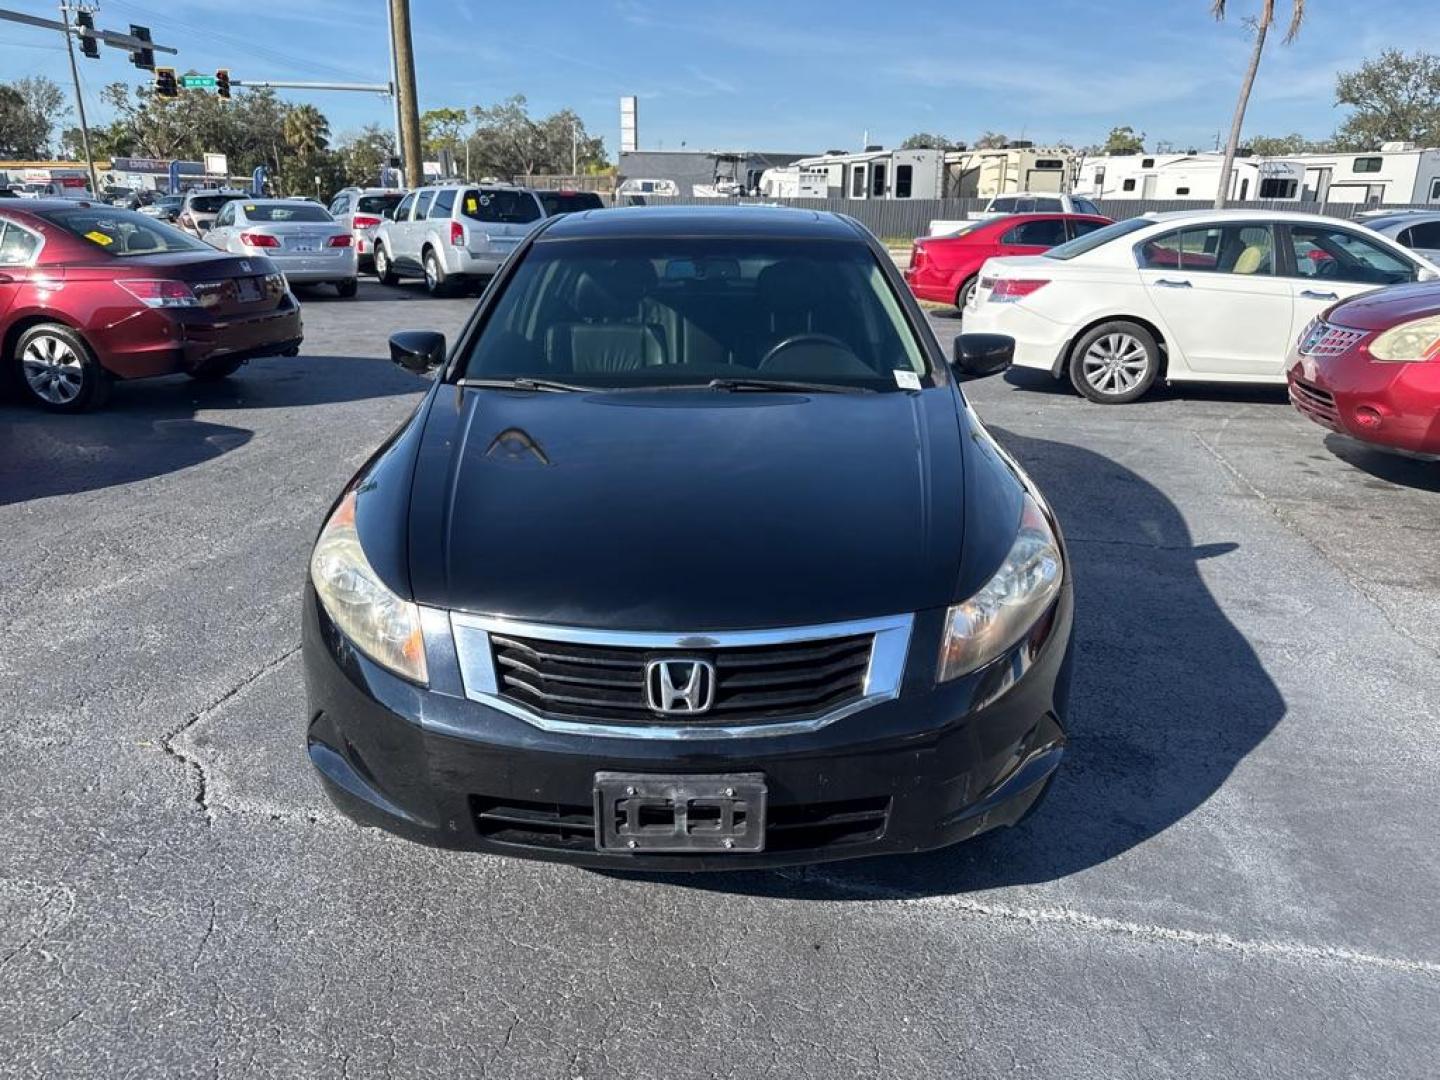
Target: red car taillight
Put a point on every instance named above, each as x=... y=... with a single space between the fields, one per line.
x=343 y=240
x=359 y=221
x=259 y=239
x=1008 y=290
x=160 y=292
x=457 y=234
x=917 y=257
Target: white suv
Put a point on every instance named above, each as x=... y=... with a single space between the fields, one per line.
x=449 y=233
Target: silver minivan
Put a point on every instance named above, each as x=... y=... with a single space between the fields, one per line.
x=449 y=233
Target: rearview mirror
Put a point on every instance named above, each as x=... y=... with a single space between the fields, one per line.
x=980 y=355
x=420 y=351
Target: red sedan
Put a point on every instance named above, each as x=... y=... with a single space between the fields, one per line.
x=1370 y=368
x=90 y=293
x=945 y=268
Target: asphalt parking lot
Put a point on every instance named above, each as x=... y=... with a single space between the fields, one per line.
x=1235 y=874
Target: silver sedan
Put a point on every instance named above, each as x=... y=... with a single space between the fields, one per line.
x=308 y=245
x=1418 y=230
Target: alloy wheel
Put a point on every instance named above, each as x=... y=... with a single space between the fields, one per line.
x=53 y=369
x=1115 y=363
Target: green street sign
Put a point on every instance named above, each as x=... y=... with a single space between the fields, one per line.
x=198 y=82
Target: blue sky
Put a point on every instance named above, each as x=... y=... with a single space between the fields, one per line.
x=782 y=76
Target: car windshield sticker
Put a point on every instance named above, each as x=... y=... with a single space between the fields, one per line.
x=100 y=238
x=907 y=380
x=250 y=208
x=472 y=204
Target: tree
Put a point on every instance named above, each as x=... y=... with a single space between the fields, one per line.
x=992 y=140
x=1123 y=140
x=30 y=109
x=507 y=143
x=1282 y=145
x=1395 y=97
x=441 y=130
x=362 y=156
x=925 y=141
x=1261 y=27
x=307 y=132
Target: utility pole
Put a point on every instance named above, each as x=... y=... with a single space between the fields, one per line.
x=394 y=87
x=404 y=53
x=79 y=100
x=574 y=147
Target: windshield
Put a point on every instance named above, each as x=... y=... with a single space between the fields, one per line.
x=568 y=202
x=124 y=232
x=677 y=311
x=210 y=204
x=296 y=211
x=505 y=207
x=1090 y=241
x=378 y=204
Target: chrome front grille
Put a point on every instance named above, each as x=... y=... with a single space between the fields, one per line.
x=1322 y=339
x=764 y=682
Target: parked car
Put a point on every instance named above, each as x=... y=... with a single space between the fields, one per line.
x=1213 y=296
x=1369 y=368
x=362 y=211
x=1418 y=230
x=199 y=207
x=1040 y=202
x=301 y=238
x=568 y=202
x=165 y=207
x=944 y=269
x=450 y=233
x=140 y=298
x=686 y=651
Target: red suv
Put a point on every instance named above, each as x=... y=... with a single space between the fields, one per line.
x=945 y=268
x=91 y=293
x=1370 y=368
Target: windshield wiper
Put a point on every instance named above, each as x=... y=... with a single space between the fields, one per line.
x=524 y=382
x=785 y=386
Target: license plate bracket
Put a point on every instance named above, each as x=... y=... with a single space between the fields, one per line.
x=643 y=812
x=250 y=289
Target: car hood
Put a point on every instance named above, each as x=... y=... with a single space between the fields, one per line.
x=687 y=510
x=1385 y=308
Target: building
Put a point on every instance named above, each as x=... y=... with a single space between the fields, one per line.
x=1188 y=176
x=714 y=172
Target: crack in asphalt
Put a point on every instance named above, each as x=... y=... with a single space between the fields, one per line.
x=193 y=764
x=1105 y=924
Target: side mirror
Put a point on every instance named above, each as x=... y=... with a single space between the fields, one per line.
x=980 y=355
x=420 y=351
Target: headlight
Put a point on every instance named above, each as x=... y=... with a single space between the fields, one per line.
x=1009 y=604
x=1409 y=343
x=382 y=625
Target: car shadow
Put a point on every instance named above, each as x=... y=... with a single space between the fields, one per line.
x=1392 y=468
x=150 y=426
x=1168 y=699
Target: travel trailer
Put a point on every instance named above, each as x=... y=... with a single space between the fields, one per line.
x=1008 y=170
x=1188 y=176
x=1398 y=173
x=877 y=173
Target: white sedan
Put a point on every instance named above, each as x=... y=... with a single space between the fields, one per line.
x=1193 y=296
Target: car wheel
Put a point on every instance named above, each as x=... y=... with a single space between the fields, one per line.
x=967 y=290
x=1115 y=363
x=435 y=282
x=347 y=289
x=383 y=270
x=215 y=370
x=58 y=371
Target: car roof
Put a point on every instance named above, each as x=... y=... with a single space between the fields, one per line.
x=1230 y=213
x=703 y=221
x=1382 y=222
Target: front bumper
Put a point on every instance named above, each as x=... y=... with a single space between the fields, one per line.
x=1400 y=401
x=933 y=767
x=166 y=341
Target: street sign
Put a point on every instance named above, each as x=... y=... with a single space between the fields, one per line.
x=198 y=82
x=216 y=165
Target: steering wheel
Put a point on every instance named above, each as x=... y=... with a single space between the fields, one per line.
x=794 y=341
x=1327 y=268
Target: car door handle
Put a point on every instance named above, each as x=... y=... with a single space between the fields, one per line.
x=1311 y=294
x=1166 y=283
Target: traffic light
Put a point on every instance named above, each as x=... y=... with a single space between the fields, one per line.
x=143 y=58
x=85 y=20
x=222 y=82
x=165 y=84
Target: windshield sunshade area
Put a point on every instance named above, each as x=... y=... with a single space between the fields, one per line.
x=124 y=232
x=677 y=311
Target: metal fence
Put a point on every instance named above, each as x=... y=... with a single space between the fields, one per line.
x=905 y=219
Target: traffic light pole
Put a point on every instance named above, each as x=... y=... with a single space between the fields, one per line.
x=79 y=99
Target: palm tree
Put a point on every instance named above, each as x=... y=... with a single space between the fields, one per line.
x=307 y=132
x=1262 y=29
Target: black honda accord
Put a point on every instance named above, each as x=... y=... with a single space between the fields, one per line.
x=693 y=557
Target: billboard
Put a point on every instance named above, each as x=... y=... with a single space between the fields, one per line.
x=629 y=124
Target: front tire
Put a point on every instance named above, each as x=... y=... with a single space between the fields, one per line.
x=1115 y=363
x=435 y=283
x=383 y=268
x=347 y=289
x=57 y=370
